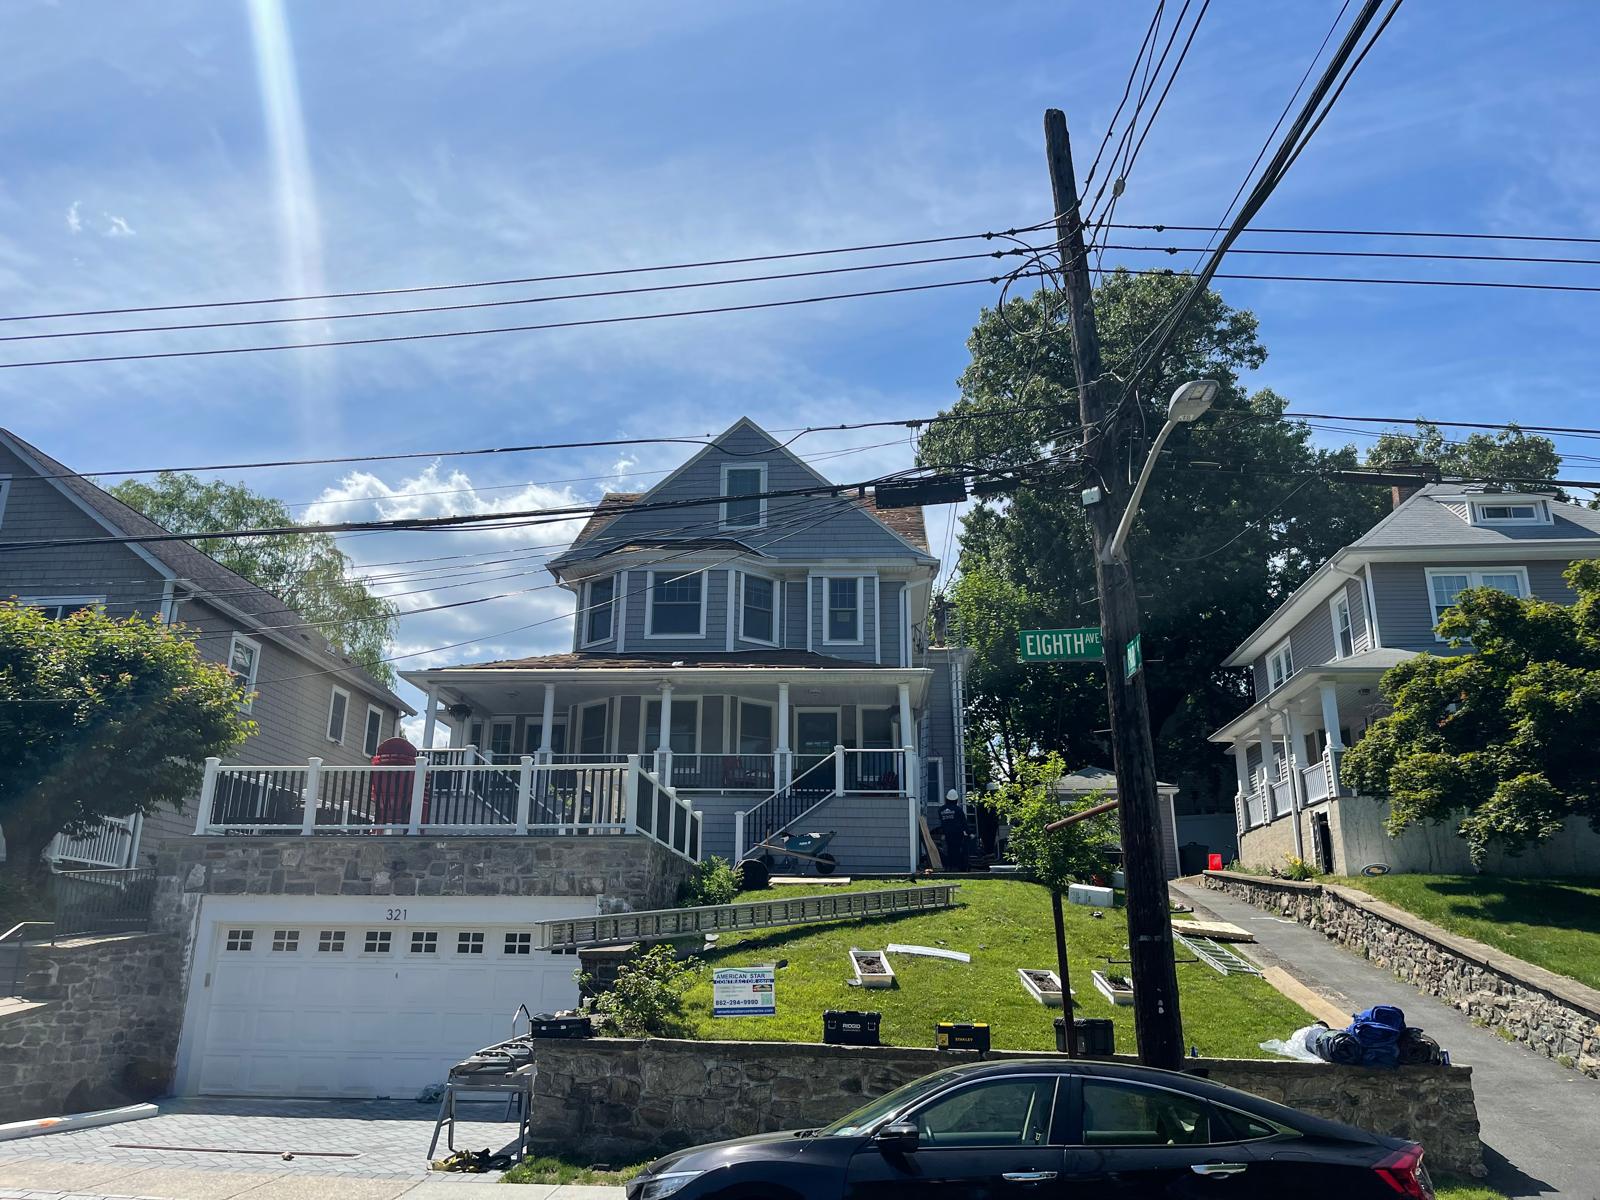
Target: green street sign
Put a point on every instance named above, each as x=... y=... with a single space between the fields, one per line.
x=1132 y=657
x=1061 y=645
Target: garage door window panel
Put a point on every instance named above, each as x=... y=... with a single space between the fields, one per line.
x=330 y=941
x=378 y=941
x=286 y=941
x=519 y=943
x=424 y=942
x=239 y=940
x=469 y=943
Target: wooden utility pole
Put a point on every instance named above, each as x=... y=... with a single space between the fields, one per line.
x=1155 y=977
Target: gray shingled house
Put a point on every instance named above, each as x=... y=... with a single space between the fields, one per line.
x=1317 y=660
x=311 y=701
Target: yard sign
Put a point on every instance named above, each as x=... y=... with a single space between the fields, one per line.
x=744 y=992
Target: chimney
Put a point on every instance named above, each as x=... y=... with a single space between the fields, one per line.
x=1399 y=495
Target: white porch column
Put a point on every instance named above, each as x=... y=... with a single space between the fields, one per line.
x=1330 y=714
x=1297 y=759
x=547 y=722
x=430 y=718
x=664 y=744
x=908 y=729
x=782 y=768
x=1241 y=768
x=208 y=795
x=1264 y=749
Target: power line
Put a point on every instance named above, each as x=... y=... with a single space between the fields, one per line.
x=458 y=333
x=527 y=279
x=1376 y=233
x=1412 y=255
x=1443 y=283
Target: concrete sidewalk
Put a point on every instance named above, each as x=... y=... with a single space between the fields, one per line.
x=1540 y=1121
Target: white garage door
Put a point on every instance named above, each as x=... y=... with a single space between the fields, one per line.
x=319 y=1007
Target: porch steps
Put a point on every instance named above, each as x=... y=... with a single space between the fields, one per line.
x=1215 y=955
x=663 y=924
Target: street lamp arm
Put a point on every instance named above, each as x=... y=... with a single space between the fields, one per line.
x=1112 y=550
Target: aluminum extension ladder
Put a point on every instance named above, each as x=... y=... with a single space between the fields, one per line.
x=1217 y=956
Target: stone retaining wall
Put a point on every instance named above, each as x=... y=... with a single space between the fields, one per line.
x=624 y=1098
x=99 y=1027
x=1549 y=1013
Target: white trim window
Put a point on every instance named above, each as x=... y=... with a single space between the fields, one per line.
x=841 y=612
x=677 y=605
x=338 y=713
x=758 y=726
x=5 y=494
x=372 y=734
x=244 y=660
x=1344 y=629
x=598 y=619
x=758 y=609
x=684 y=735
x=1446 y=583
x=744 y=479
x=502 y=736
x=1510 y=510
x=59 y=608
x=1280 y=665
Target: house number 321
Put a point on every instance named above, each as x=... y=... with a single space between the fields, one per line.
x=394 y=914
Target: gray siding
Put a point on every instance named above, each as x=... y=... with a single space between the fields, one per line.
x=794 y=614
x=715 y=586
x=936 y=732
x=889 y=606
x=1311 y=640
x=873 y=833
x=866 y=651
x=1405 y=612
x=797 y=528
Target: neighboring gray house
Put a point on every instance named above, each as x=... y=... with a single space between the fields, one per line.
x=1317 y=660
x=310 y=699
x=765 y=658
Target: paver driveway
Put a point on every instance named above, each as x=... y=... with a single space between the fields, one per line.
x=375 y=1141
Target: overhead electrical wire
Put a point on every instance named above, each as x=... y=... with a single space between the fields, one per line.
x=1375 y=233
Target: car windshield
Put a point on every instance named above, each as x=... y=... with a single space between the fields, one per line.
x=870 y=1114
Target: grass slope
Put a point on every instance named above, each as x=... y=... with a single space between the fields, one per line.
x=1552 y=923
x=1003 y=924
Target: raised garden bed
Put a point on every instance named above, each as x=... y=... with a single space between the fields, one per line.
x=1043 y=986
x=1116 y=988
x=871 y=967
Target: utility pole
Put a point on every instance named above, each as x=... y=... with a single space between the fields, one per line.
x=1155 y=977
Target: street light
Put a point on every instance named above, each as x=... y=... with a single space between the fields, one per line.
x=1189 y=403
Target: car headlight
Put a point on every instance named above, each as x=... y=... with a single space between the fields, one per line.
x=658 y=1187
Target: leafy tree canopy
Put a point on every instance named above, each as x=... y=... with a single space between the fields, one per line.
x=306 y=570
x=1500 y=739
x=100 y=717
x=1029 y=803
x=1508 y=457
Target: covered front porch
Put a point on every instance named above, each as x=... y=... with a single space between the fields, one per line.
x=1287 y=747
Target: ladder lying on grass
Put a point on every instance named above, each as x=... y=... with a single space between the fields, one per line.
x=661 y=924
x=1215 y=955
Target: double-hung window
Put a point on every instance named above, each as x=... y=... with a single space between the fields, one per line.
x=338 y=710
x=683 y=736
x=599 y=596
x=744 y=481
x=758 y=612
x=244 y=656
x=677 y=605
x=1446 y=583
x=755 y=727
x=1344 y=632
x=59 y=608
x=373 y=734
x=842 y=614
x=1280 y=665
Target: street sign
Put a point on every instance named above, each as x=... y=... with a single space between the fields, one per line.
x=1132 y=657
x=744 y=992
x=1061 y=645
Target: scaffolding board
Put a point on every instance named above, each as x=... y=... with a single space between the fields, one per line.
x=1217 y=956
x=662 y=924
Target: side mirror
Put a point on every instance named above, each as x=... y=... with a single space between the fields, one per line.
x=900 y=1138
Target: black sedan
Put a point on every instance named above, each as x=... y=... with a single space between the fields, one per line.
x=1032 y=1130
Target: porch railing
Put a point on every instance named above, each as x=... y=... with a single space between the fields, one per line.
x=1281 y=794
x=103 y=901
x=1315 y=780
x=844 y=772
x=114 y=842
x=458 y=797
x=724 y=772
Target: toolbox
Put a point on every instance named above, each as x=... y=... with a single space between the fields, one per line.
x=844 y=1028
x=1096 y=1036
x=560 y=1027
x=962 y=1035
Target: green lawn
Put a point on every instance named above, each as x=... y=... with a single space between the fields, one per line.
x=562 y=1169
x=1552 y=923
x=1003 y=924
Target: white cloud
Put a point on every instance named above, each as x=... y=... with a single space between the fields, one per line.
x=74 y=220
x=117 y=226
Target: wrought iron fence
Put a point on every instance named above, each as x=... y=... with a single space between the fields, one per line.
x=103 y=901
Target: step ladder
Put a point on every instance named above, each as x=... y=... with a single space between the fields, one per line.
x=1216 y=955
x=658 y=925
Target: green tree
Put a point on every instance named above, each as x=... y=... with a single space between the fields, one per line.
x=1509 y=457
x=1029 y=802
x=101 y=717
x=1235 y=519
x=307 y=571
x=1499 y=739
x=647 y=998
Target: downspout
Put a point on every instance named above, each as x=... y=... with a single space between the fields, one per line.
x=1374 y=635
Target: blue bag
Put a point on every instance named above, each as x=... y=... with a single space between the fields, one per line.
x=1377 y=1030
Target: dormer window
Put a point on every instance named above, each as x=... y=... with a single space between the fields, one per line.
x=744 y=480
x=1510 y=510
x=1280 y=665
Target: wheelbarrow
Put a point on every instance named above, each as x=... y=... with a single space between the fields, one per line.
x=789 y=850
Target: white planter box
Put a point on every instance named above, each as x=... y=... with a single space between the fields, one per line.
x=1088 y=893
x=1043 y=986
x=1117 y=989
x=871 y=967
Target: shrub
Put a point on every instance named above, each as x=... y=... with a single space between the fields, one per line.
x=1298 y=868
x=715 y=881
x=647 y=999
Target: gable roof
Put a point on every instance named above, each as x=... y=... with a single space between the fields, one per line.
x=209 y=579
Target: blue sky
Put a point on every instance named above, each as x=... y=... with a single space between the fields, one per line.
x=210 y=150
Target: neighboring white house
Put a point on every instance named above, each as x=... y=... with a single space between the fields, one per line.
x=1317 y=660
